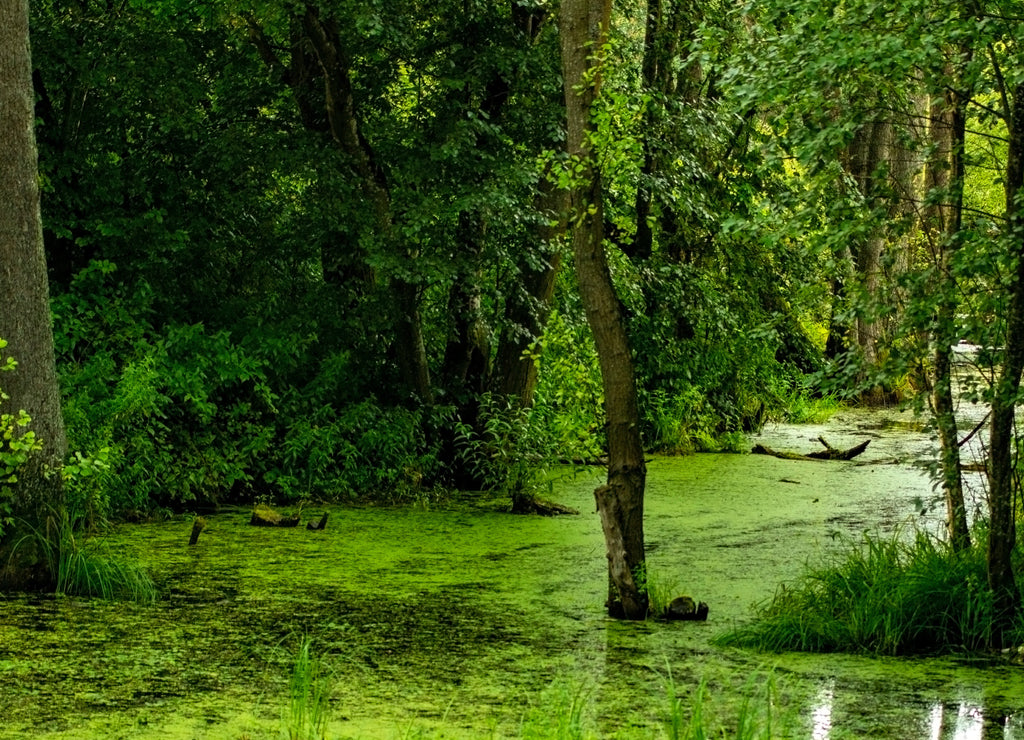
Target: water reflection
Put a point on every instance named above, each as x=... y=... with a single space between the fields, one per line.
x=965 y=721
x=959 y=720
x=821 y=711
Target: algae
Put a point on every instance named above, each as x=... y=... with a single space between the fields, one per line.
x=460 y=619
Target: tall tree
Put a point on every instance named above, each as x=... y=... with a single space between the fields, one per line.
x=583 y=25
x=25 y=318
x=1002 y=482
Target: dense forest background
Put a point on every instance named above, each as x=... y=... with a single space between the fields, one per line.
x=320 y=249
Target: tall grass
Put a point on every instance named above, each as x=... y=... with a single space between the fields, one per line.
x=85 y=568
x=309 y=694
x=756 y=718
x=887 y=596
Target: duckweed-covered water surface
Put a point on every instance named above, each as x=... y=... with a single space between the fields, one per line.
x=460 y=620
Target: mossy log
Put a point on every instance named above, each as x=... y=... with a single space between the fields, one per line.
x=264 y=516
x=829 y=453
x=533 y=505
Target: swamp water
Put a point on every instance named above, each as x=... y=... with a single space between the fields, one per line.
x=458 y=620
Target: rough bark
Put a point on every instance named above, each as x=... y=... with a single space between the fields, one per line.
x=1002 y=486
x=25 y=320
x=583 y=25
x=883 y=170
x=944 y=175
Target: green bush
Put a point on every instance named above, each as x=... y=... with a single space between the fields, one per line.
x=177 y=415
x=363 y=450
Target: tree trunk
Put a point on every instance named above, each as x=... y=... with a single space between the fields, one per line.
x=528 y=304
x=1002 y=488
x=25 y=320
x=583 y=25
x=944 y=176
x=409 y=346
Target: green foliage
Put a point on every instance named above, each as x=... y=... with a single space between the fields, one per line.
x=660 y=590
x=174 y=415
x=804 y=407
x=364 y=450
x=569 y=401
x=685 y=423
x=562 y=713
x=17 y=443
x=511 y=452
x=885 y=596
x=758 y=717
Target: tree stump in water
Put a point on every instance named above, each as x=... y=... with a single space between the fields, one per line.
x=264 y=516
x=198 y=525
x=829 y=453
x=316 y=526
x=684 y=608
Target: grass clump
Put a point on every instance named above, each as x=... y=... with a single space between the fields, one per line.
x=309 y=692
x=85 y=568
x=885 y=596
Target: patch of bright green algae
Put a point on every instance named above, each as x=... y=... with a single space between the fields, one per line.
x=465 y=621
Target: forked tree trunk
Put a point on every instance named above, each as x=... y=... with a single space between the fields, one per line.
x=25 y=316
x=583 y=25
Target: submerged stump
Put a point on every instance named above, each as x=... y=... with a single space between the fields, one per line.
x=316 y=526
x=684 y=608
x=198 y=525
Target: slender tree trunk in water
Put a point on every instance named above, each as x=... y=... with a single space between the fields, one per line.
x=583 y=26
x=1002 y=488
x=944 y=174
x=25 y=320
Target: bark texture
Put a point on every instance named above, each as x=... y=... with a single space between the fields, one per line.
x=25 y=316
x=583 y=25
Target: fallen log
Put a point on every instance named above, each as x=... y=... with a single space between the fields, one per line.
x=264 y=516
x=316 y=526
x=829 y=453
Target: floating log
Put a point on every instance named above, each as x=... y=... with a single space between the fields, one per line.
x=315 y=526
x=829 y=453
x=264 y=516
x=198 y=525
